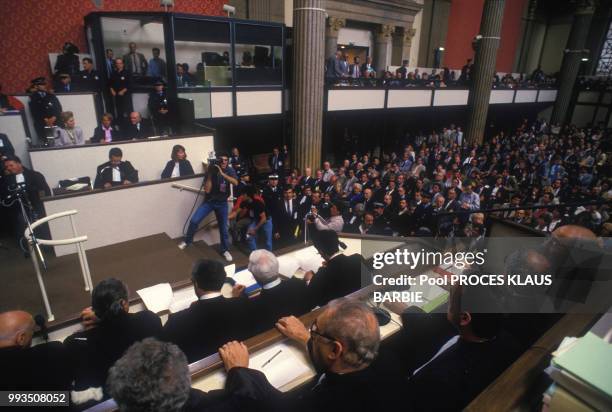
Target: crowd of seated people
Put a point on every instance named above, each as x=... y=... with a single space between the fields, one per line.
x=143 y=365
x=437 y=185
x=340 y=71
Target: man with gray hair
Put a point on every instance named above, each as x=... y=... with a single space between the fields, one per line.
x=342 y=344
x=278 y=297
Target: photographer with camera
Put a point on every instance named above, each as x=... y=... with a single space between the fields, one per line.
x=29 y=186
x=216 y=186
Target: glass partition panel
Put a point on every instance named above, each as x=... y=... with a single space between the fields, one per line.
x=202 y=50
x=139 y=41
x=258 y=55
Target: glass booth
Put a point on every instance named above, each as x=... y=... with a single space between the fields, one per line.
x=194 y=55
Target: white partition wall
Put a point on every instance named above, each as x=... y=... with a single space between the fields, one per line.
x=112 y=216
x=149 y=157
x=11 y=124
x=501 y=96
x=221 y=104
x=547 y=96
x=525 y=96
x=450 y=97
x=259 y=102
x=355 y=99
x=140 y=103
x=408 y=98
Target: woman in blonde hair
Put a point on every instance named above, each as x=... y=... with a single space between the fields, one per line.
x=70 y=134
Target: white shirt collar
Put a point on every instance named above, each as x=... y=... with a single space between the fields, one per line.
x=210 y=295
x=335 y=254
x=272 y=284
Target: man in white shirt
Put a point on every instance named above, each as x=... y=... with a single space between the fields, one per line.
x=335 y=221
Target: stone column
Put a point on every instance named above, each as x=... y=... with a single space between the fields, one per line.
x=383 y=38
x=308 y=72
x=484 y=68
x=402 y=42
x=574 y=51
x=332 y=28
x=526 y=42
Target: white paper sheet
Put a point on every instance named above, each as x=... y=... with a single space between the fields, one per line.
x=284 y=368
x=156 y=298
x=230 y=270
x=309 y=259
x=244 y=277
x=288 y=265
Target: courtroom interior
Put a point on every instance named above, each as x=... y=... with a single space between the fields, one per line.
x=306 y=205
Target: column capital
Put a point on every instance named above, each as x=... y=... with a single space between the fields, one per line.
x=334 y=24
x=384 y=33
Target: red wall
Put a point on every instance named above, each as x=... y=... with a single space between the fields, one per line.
x=464 y=24
x=38 y=27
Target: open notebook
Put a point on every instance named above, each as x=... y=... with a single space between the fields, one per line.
x=161 y=297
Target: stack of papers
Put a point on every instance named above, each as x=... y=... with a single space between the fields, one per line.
x=581 y=368
x=433 y=296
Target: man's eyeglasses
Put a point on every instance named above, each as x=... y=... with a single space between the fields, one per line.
x=314 y=330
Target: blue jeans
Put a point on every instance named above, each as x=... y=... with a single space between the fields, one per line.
x=220 y=209
x=267 y=229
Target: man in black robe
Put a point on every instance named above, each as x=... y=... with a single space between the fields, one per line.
x=115 y=172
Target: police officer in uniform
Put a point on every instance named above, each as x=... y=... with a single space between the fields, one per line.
x=159 y=109
x=272 y=193
x=119 y=86
x=88 y=79
x=45 y=106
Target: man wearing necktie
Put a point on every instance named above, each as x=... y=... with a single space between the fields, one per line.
x=355 y=68
x=110 y=62
x=135 y=62
x=277 y=163
x=285 y=220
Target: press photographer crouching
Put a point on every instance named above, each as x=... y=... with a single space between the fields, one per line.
x=20 y=185
x=217 y=181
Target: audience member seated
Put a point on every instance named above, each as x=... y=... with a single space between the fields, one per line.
x=183 y=78
x=110 y=330
x=179 y=165
x=137 y=128
x=466 y=364
x=339 y=276
x=107 y=132
x=278 y=298
x=115 y=172
x=46 y=366
x=213 y=319
x=342 y=344
x=70 y=134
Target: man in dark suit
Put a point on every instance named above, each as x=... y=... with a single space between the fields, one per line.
x=368 y=68
x=212 y=319
x=278 y=298
x=135 y=62
x=402 y=72
x=276 y=162
x=341 y=274
x=110 y=330
x=137 y=128
x=25 y=367
x=307 y=179
x=45 y=106
x=342 y=344
x=334 y=67
x=286 y=218
x=115 y=172
x=469 y=362
x=355 y=68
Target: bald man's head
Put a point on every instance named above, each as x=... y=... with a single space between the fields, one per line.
x=16 y=329
x=574 y=232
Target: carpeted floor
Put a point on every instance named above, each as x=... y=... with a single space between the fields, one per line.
x=139 y=263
